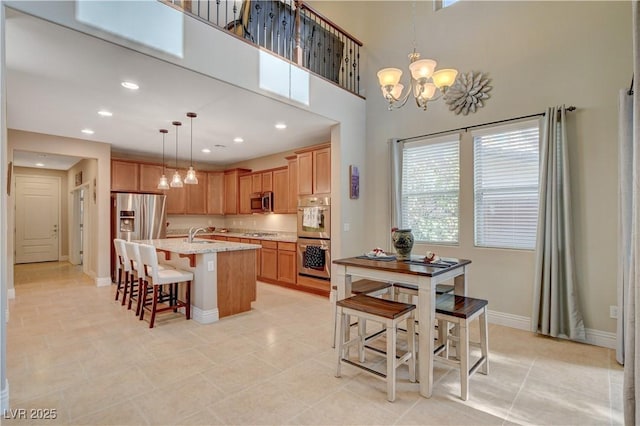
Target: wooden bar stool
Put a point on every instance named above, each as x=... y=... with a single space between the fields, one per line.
x=388 y=313
x=153 y=276
x=461 y=310
x=123 y=267
x=368 y=287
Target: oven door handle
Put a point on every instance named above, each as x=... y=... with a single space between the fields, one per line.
x=322 y=247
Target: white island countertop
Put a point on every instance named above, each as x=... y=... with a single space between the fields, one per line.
x=199 y=246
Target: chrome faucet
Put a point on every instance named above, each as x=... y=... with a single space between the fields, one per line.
x=192 y=233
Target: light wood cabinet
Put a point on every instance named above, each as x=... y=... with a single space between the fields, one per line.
x=125 y=176
x=269 y=260
x=215 y=193
x=281 y=191
x=197 y=194
x=287 y=262
x=231 y=184
x=149 y=177
x=322 y=171
x=267 y=181
x=176 y=197
x=244 y=193
x=233 y=239
x=305 y=173
x=258 y=257
x=256 y=183
x=314 y=170
x=292 y=199
x=219 y=238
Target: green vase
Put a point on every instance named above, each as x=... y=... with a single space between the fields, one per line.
x=403 y=243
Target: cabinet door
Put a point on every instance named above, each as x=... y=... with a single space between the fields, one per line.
x=258 y=257
x=293 y=186
x=149 y=177
x=231 y=193
x=322 y=171
x=267 y=181
x=219 y=238
x=269 y=263
x=245 y=194
x=124 y=176
x=215 y=193
x=281 y=191
x=287 y=266
x=176 y=197
x=233 y=239
x=197 y=195
x=305 y=173
x=256 y=183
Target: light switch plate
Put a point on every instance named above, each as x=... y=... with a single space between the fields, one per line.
x=210 y=266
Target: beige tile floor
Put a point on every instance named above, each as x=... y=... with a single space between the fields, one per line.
x=71 y=348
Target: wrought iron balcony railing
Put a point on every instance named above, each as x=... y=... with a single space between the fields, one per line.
x=290 y=29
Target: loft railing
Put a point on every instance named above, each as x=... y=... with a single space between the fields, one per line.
x=290 y=29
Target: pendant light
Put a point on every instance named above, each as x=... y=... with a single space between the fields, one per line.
x=191 y=178
x=176 y=181
x=164 y=183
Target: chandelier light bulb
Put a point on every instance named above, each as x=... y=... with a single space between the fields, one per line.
x=422 y=69
x=389 y=76
x=176 y=181
x=191 y=178
x=164 y=183
x=444 y=78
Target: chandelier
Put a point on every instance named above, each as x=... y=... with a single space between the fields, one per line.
x=426 y=83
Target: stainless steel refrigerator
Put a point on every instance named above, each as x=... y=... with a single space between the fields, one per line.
x=137 y=217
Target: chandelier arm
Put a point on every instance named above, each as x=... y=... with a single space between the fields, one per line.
x=397 y=103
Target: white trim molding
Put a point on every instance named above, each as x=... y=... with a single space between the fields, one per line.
x=604 y=339
x=11 y=293
x=4 y=399
x=102 y=281
x=204 y=317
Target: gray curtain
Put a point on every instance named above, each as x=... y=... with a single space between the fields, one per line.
x=555 y=307
x=625 y=177
x=395 y=154
x=631 y=314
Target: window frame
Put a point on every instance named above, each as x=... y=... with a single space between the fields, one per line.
x=451 y=138
x=497 y=130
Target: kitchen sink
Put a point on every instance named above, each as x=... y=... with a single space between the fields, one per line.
x=201 y=241
x=260 y=234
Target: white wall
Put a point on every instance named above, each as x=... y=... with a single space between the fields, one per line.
x=99 y=173
x=538 y=54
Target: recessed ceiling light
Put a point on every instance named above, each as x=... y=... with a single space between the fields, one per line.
x=206 y=150
x=88 y=131
x=40 y=164
x=130 y=85
x=281 y=126
x=105 y=113
x=238 y=140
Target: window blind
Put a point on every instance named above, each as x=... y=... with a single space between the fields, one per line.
x=506 y=168
x=430 y=189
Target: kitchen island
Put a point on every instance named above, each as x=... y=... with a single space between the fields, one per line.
x=224 y=273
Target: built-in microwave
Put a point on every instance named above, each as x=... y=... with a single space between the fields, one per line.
x=262 y=203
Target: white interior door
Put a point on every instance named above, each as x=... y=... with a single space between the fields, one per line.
x=37 y=218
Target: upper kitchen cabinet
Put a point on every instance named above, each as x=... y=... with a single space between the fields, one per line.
x=149 y=177
x=245 y=190
x=125 y=176
x=314 y=170
x=231 y=189
x=197 y=195
x=176 y=197
x=267 y=181
x=215 y=193
x=281 y=190
x=292 y=201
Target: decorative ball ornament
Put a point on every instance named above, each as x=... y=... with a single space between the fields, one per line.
x=468 y=93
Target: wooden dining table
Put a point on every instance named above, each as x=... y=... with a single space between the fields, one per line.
x=415 y=271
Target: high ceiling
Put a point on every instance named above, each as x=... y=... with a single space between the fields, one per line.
x=58 y=79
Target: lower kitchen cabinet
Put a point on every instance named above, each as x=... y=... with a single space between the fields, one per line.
x=287 y=272
x=258 y=257
x=269 y=260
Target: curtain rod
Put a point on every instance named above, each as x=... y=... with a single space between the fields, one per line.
x=466 y=129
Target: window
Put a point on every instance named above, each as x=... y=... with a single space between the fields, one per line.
x=506 y=168
x=430 y=189
x=441 y=4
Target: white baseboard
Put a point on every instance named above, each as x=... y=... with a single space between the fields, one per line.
x=4 y=399
x=102 y=281
x=11 y=293
x=204 y=317
x=604 y=339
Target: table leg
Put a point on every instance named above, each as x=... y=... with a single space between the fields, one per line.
x=426 y=320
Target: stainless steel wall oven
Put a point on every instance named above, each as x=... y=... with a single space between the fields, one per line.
x=314 y=236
